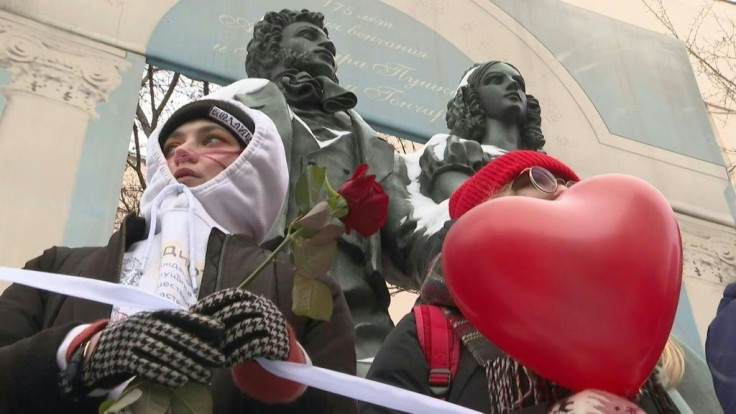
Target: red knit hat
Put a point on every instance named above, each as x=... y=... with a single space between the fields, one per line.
x=499 y=172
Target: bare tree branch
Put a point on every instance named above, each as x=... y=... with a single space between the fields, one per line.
x=143 y=120
x=151 y=96
x=661 y=15
x=713 y=57
x=138 y=165
x=124 y=199
x=714 y=71
x=169 y=91
x=723 y=109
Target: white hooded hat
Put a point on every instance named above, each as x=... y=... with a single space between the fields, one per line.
x=248 y=195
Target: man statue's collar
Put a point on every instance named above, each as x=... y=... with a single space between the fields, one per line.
x=304 y=90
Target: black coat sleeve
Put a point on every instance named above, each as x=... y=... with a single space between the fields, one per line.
x=28 y=367
x=720 y=350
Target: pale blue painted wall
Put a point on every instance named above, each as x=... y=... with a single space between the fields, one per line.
x=5 y=78
x=641 y=82
x=730 y=195
x=684 y=328
x=97 y=187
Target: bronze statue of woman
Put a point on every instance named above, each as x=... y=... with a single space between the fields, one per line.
x=490 y=114
x=491 y=106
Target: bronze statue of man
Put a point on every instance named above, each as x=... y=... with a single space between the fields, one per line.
x=318 y=126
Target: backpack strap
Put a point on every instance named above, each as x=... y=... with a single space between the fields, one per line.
x=440 y=345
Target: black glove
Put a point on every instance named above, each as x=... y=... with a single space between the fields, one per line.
x=254 y=326
x=169 y=348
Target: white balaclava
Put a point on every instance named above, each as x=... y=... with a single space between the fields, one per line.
x=245 y=198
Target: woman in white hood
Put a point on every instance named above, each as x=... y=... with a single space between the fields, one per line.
x=217 y=179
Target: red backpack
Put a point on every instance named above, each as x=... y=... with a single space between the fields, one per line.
x=440 y=345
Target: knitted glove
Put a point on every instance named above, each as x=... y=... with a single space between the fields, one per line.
x=254 y=326
x=169 y=348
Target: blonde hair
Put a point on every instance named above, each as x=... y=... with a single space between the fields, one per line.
x=671 y=364
x=503 y=191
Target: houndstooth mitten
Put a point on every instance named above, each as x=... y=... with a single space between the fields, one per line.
x=169 y=348
x=254 y=326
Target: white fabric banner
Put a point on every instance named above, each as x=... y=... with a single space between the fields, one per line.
x=335 y=382
x=90 y=289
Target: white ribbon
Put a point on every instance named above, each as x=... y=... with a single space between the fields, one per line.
x=361 y=389
x=90 y=289
x=324 y=379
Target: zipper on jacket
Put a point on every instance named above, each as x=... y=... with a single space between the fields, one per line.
x=221 y=264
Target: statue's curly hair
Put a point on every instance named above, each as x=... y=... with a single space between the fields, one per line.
x=263 y=48
x=465 y=116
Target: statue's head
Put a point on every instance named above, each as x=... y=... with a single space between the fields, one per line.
x=494 y=90
x=290 y=39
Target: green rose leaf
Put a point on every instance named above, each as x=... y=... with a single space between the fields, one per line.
x=147 y=398
x=329 y=234
x=156 y=399
x=312 y=261
x=104 y=408
x=130 y=395
x=191 y=399
x=311 y=298
x=316 y=218
x=309 y=187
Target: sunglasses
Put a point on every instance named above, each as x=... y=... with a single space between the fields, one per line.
x=542 y=180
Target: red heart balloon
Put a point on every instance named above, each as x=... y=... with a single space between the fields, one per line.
x=582 y=290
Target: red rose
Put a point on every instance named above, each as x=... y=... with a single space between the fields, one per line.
x=367 y=203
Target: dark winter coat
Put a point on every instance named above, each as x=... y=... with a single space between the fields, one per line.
x=34 y=322
x=720 y=350
x=402 y=363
